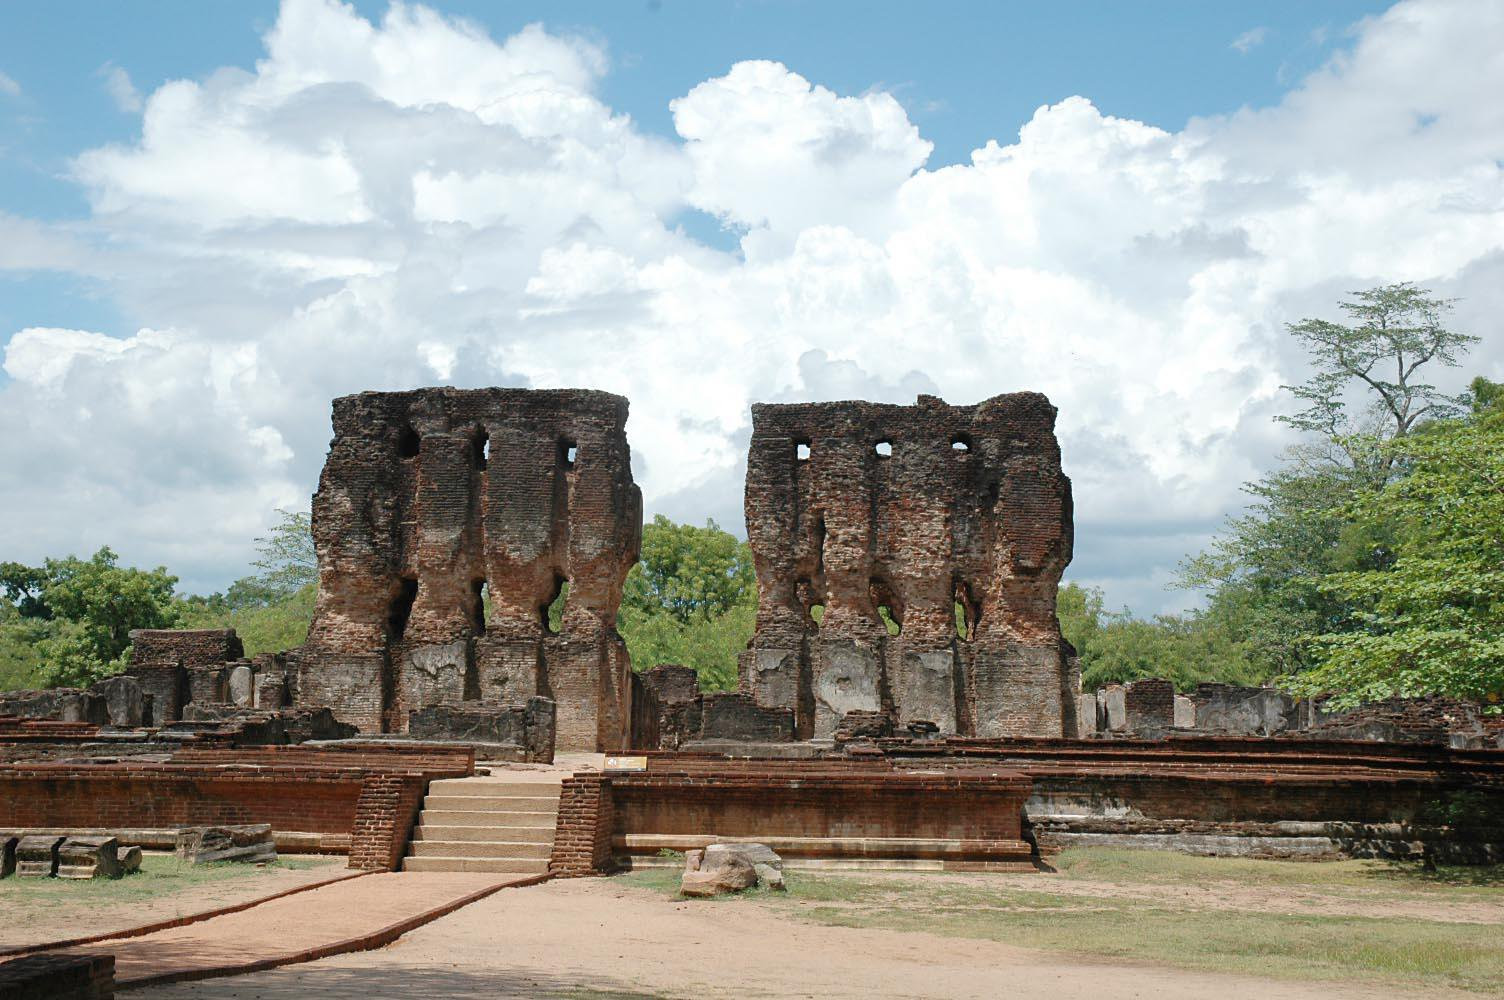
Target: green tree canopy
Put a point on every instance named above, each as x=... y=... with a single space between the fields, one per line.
x=1430 y=621
x=89 y=607
x=689 y=573
x=1266 y=572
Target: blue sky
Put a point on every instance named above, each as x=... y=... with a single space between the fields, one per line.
x=216 y=216
x=965 y=72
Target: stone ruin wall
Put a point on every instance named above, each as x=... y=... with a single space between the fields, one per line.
x=854 y=506
x=431 y=495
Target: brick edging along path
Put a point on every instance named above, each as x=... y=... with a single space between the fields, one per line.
x=164 y=925
x=249 y=940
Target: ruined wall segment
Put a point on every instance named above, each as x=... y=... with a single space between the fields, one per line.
x=856 y=511
x=430 y=499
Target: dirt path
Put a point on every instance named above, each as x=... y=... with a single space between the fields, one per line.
x=280 y=928
x=54 y=910
x=593 y=938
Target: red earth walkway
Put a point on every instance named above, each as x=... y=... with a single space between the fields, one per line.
x=347 y=916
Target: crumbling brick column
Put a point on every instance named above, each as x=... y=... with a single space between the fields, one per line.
x=433 y=499
x=861 y=513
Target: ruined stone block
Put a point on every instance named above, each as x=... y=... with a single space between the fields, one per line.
x=164 y=686
x=125 y=701
x=187 y=647
x=1149 y=704
x=432 y=501
x=271 y=691
x=61 y=704
x=1185 y=712
x=36 y=856
x=241 y=686
x=1113 y=707
x=89 y=857
x=528 y=727
x=738 y=717
x=206 y=685
x=203 y=844
x=1246 y=711
x=862 y=515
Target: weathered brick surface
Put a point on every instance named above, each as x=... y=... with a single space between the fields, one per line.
x=691 y=795
x=188 y=647
x=969 y=506
x=1150 y=704
x=582 y=832
x=58 y=977
x=369 y=794
x=426 y=497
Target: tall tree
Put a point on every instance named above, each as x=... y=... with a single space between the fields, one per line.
x=1369 y=388
x=1396 y=331
x=1432 y=621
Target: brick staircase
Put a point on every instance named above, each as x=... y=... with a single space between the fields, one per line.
x=485 y=825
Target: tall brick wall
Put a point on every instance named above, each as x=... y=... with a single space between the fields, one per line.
x=430 y=495
x=856 y=507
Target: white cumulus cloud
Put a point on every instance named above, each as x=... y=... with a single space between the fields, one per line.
x=398 y=203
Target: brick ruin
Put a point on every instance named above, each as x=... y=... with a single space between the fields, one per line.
x=435 y=502
x=862 y=513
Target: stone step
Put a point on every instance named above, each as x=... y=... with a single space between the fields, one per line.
x=485 y=788
x=479 y=849
x=468 y=817
x=528 y=866
x=520 y=834
x=493 y=803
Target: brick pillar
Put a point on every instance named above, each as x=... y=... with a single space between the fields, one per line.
x=384 y=817
x=582 y=838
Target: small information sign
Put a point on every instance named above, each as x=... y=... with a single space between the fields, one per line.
x=626 y=763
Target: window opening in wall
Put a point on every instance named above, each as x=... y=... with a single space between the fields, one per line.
x=552 y=611
x=482 y=449
x=960 y=444
x=968 y=613
x=884 y=449
x=820 y=544
x=401 y=610
x=801 y=451
x=407 y=443
x=481 y=607
x=568 y=453
x=882 y=596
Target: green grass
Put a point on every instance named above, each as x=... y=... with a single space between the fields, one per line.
x=159 y=876
x=1216 y=937
x=1137 y=867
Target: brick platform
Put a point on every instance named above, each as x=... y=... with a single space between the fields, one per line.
x=825 y=812
x=360 y=800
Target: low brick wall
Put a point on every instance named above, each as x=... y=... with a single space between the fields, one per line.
x=1247 y=796
x=58 y=977
x=806 y=809
x=352 y=799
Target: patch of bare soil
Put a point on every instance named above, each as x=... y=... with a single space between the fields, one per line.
x=592 y=938
x=63 y=910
